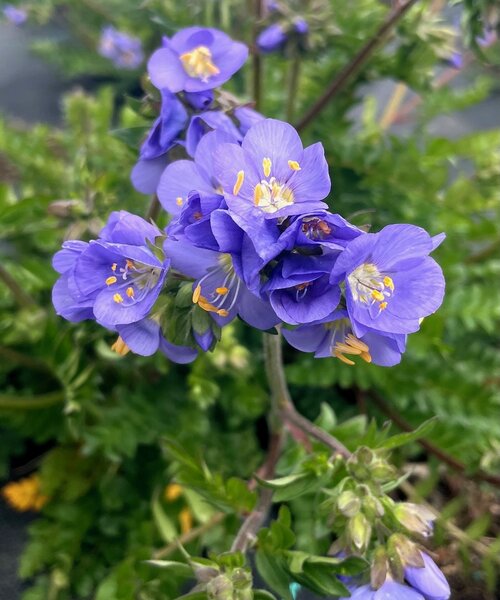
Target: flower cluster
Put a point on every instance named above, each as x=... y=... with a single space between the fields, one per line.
x=250 y=235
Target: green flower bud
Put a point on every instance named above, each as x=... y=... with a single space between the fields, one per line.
x=382 y=471
x=242 y=579
x=365 y=456
x=373 y=508
x=220 y=588
x=348 y=503
x=415 y=517
x=360 y=531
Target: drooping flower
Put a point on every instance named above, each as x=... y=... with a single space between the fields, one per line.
x=15 y=15
x=428 y=580
x=300 y=290
x=196 y=59
x=200 y=100
x=205 y=122
x=272 y=38
x=271 y=175
x=124 y=50
x=321 y=228
x=247 y=117
x=390 y=590
x=391 y=283
x=162 y=137
x=115 y=279
x=333 y=336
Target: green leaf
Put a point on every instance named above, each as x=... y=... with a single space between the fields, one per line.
x=405 y=438
x=181 y=569
x=271 y=569
x=263 y=595
x=164 y=524
x=131 y=136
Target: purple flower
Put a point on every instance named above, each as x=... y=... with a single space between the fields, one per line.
x=125 y=51
x=162 y=137
x=301 y=27
x=321 y=228
x=196 y=59
x=300 y=290
x=200 y=100
x=391 y=283
x=428 y=580
x=202 y=124
x=334 y=336
x=390 y=590
x=14 y=14
x=183 y=177
x=219 y=288
x=115 y=279
x=247 y=118
x=272 y=38
x=145 y=338
x=271 y=175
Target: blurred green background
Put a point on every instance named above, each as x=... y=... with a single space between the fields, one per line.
x=409 y=139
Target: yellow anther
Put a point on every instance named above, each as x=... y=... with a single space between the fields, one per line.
x=172 y=492
x=118 y=298
x=257 y=194
x=179 y=201
x=376 y=295
x=130 y=292
x=389 y=283
x=222 y=290
x=198 y=63
x=111 y=280
x=222 y=313
x=240 y=177
x=341 y=357
x=346 y=349
x=196 y=294
x=382 y=305
x=366 y=356
x=120 y=347
x=113 y=267
x=294 y=165
x=129 y=264
x=355 y=343
x=266 y=166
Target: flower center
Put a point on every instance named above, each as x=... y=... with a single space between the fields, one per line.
x=198 y=63
x=315 y=228
x=218 y=290
x=343 y=341
x=132 y=281
x=270 y=195
x=369 y=286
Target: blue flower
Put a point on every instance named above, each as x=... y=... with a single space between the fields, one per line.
x=125 y=51
x=207 y=121
x=271 y=175
x=391 y=283
x=162 y=137
x=272 y=38
x=115 y=279
x=300 y=290
x=196 y=59
x=333 y=336
x=428 y=580
x=390 y=590
x=14 y=14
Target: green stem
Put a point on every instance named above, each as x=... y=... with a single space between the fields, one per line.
x=356 y=64
x=22 y=297
x=22 y=359
x=153 y=209
x=256 y=58
x=293 y=85
x=12 y=401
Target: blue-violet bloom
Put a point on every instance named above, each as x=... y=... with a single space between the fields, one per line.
x=428 y=580
x=196 y=59
x=125 y=51
x=14 y=14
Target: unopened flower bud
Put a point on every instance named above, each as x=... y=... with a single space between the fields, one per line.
x=64 y=208
x=408 y=551
x=382 y=471
x=372 y=507
x=365 y=455
x=415 y=518
x=379 y=569
x=348 y=503
x=428 y=579
x=220 y=588
x=242 y=579
x=360 y=531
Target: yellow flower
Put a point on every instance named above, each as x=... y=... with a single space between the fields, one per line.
x=172 y=492
x=25 y=494
x=186 y=520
